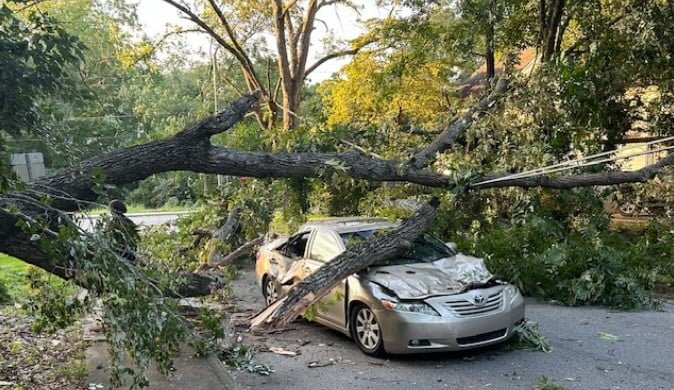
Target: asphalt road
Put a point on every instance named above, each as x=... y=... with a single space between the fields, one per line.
x=593 y=348
x=141 y=219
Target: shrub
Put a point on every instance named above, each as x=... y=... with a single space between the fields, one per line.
x=574 y=265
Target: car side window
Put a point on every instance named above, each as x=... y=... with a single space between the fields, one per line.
x=323 y=247
x=296 y=246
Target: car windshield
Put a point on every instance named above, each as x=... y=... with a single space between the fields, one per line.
x=426 y=248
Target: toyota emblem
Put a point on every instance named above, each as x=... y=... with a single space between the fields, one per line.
x=478 y=299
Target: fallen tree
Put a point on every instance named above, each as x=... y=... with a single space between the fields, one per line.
x=191 y=150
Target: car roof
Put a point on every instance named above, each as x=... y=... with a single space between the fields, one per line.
x=349 y=224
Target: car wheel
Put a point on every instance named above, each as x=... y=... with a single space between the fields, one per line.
x=270 y=290
x=366 y=331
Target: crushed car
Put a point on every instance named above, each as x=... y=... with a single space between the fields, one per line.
x=430 y=298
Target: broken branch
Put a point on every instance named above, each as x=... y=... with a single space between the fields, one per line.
x=458 y=126
x=230 y=258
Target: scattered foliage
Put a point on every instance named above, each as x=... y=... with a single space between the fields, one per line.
x=528 y=337
x=241 y=358
x=545 y=383
x=59 y=355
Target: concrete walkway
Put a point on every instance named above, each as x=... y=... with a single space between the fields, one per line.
x=190 y=373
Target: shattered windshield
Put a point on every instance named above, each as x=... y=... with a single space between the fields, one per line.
x=426 y=248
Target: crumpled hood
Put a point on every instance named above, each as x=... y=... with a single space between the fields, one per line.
x=420 y=280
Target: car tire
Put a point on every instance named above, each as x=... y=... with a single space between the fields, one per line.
x=366 y=331
x=270 y=290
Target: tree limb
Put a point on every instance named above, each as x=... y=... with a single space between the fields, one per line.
x=191 y=150
x=458 y=126
x=241 y=57
x=370 y=252
x=337 y=54
x=230 y=258
x=248 y=64
x=582 y=180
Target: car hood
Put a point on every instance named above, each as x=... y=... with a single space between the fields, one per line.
x=449 y=275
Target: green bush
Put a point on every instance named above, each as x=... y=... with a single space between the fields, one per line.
x=575 y=265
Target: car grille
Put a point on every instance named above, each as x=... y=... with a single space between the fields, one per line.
x=497 y=334
x=465 y=308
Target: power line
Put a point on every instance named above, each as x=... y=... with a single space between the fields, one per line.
x=584 y=162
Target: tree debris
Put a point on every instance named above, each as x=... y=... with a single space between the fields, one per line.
x=281 y=351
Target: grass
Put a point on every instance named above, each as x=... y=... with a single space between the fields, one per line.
x=14 y=277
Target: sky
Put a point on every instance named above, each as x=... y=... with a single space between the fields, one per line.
x=156 y=17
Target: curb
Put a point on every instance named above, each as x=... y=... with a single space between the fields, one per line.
x=223 y=374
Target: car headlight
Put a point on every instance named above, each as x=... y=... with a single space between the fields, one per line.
x=510 y=292
x=410 y=307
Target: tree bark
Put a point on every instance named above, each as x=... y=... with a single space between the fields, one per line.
x=370 y=252
x=489 y=42
x=223 y=233
x=552 y=30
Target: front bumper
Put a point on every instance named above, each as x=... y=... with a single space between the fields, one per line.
x=447 y=332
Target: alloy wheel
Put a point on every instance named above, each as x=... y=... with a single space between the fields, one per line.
x=367 y=328
x=270 y=291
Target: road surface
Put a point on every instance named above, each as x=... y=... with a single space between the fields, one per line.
x=594 y=348
x=141 y=219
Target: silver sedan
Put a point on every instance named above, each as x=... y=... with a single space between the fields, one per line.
x=428 y=299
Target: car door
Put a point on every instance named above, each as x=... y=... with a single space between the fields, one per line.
x=323 y=247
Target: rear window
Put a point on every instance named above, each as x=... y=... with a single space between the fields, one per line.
x=426 y=248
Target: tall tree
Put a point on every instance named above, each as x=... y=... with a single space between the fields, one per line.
x=292 y=24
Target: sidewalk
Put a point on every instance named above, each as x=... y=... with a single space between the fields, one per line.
x=191 y=373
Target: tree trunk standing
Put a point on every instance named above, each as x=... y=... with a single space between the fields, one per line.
x=293 y=25
x=489 y=46
x=552 y=30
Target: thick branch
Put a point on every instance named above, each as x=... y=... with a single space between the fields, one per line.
x=305 y=39
x=223 y=233
x=319 y=284
x=230 y=258
x=458 y=127
x=282 y=46
x=247 y=63
x=583 y=180
x=337 y=54
x=68 y=188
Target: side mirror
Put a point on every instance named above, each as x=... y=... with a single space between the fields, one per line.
x=452 y=246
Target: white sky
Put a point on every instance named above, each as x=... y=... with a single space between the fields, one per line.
x=156 y=17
